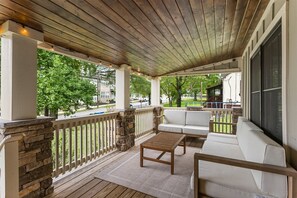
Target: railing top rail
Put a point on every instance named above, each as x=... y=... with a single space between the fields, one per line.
x=176 y=108
x=77 y=119
x=144 y=109
x=217 y=109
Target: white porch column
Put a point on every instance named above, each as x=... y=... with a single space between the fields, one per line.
x=123 y=88
x=18 y=71
x=155 y=91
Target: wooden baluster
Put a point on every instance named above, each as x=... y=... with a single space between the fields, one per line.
x=113 y=132
x=85 y=127
x=57 y=171
x=104 y=135
x=109 y=133
x=95 y=137
x=90 y=127
x=81 y=142
x=63 y=149
x=75 y=143
x=70 y=145
x=100 y=137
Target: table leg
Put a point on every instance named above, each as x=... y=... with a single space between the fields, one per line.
x=185 y=145
x=172 y=162
x=141 y=156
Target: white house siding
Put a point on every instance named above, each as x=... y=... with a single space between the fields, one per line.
x=231 y=87
x=284 y=11
x=291 y=86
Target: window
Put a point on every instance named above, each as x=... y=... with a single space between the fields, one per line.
x=266 y=86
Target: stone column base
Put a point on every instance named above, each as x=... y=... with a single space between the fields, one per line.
x=125 y=138
x=157 y=112
x=35 y=155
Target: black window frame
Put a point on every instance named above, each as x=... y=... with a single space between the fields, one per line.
x=260 y=108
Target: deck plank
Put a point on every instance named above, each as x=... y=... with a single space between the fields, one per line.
x=105 y=191
x=83 y=189
x=139 y=195
x=93 y=191
x=117 y=192
x=127 y=194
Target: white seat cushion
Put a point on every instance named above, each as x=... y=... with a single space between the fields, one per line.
x=175 y=128
x=198 y=118
x=223 y=138
x=196 y=130
x=175 y=117
x=217 y=180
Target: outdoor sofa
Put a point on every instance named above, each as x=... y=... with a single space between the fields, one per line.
x=242 y=165
x=191 y=123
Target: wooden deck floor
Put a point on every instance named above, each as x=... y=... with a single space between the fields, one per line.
x=82 y=182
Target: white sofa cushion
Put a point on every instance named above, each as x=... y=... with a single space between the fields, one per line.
x=257 y=147
x=175 y=128
x=175 y=117
x=196 y=130
x=198 y=118
x=223 y=138
x=217 y=180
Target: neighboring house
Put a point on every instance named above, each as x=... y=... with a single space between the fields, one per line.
x=105 y=91
x=231 y=87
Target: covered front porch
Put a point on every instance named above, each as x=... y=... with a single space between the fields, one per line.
x=41 y=156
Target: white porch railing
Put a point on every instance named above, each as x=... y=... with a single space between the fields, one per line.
x=9 y=166
x=222 y=120
x=79 y=140
x=143 y=121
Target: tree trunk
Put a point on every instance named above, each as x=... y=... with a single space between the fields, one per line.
x=179 y=91
x=46 y=111
x=149 y=97
x=170 y=102
x=54 y=113
x=195 y=95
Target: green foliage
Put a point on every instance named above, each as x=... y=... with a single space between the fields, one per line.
x=60 y=85
x=140 y=85
x=175 y=87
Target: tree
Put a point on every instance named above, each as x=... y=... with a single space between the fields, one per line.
x=195 y=85
x=178 y=85
x=60 y=85
x=167 y=89
x=140 y=85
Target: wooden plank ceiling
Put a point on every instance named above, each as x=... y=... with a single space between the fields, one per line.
x=156 y=37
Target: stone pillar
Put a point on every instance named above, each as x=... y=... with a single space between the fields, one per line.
x=35 y=155
x=157 y=118
x=125 y=134
x=155 y=91
x=236 y=113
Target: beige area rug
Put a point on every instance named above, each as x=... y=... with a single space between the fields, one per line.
x=154 y=178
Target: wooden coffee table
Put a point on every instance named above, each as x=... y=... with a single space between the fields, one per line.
x=165 y=142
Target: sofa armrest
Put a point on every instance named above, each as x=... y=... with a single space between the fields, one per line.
x=287 y=171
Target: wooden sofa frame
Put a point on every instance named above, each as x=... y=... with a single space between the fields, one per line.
x=286 y=171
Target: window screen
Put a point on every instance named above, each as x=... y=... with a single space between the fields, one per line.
x=266 y=86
